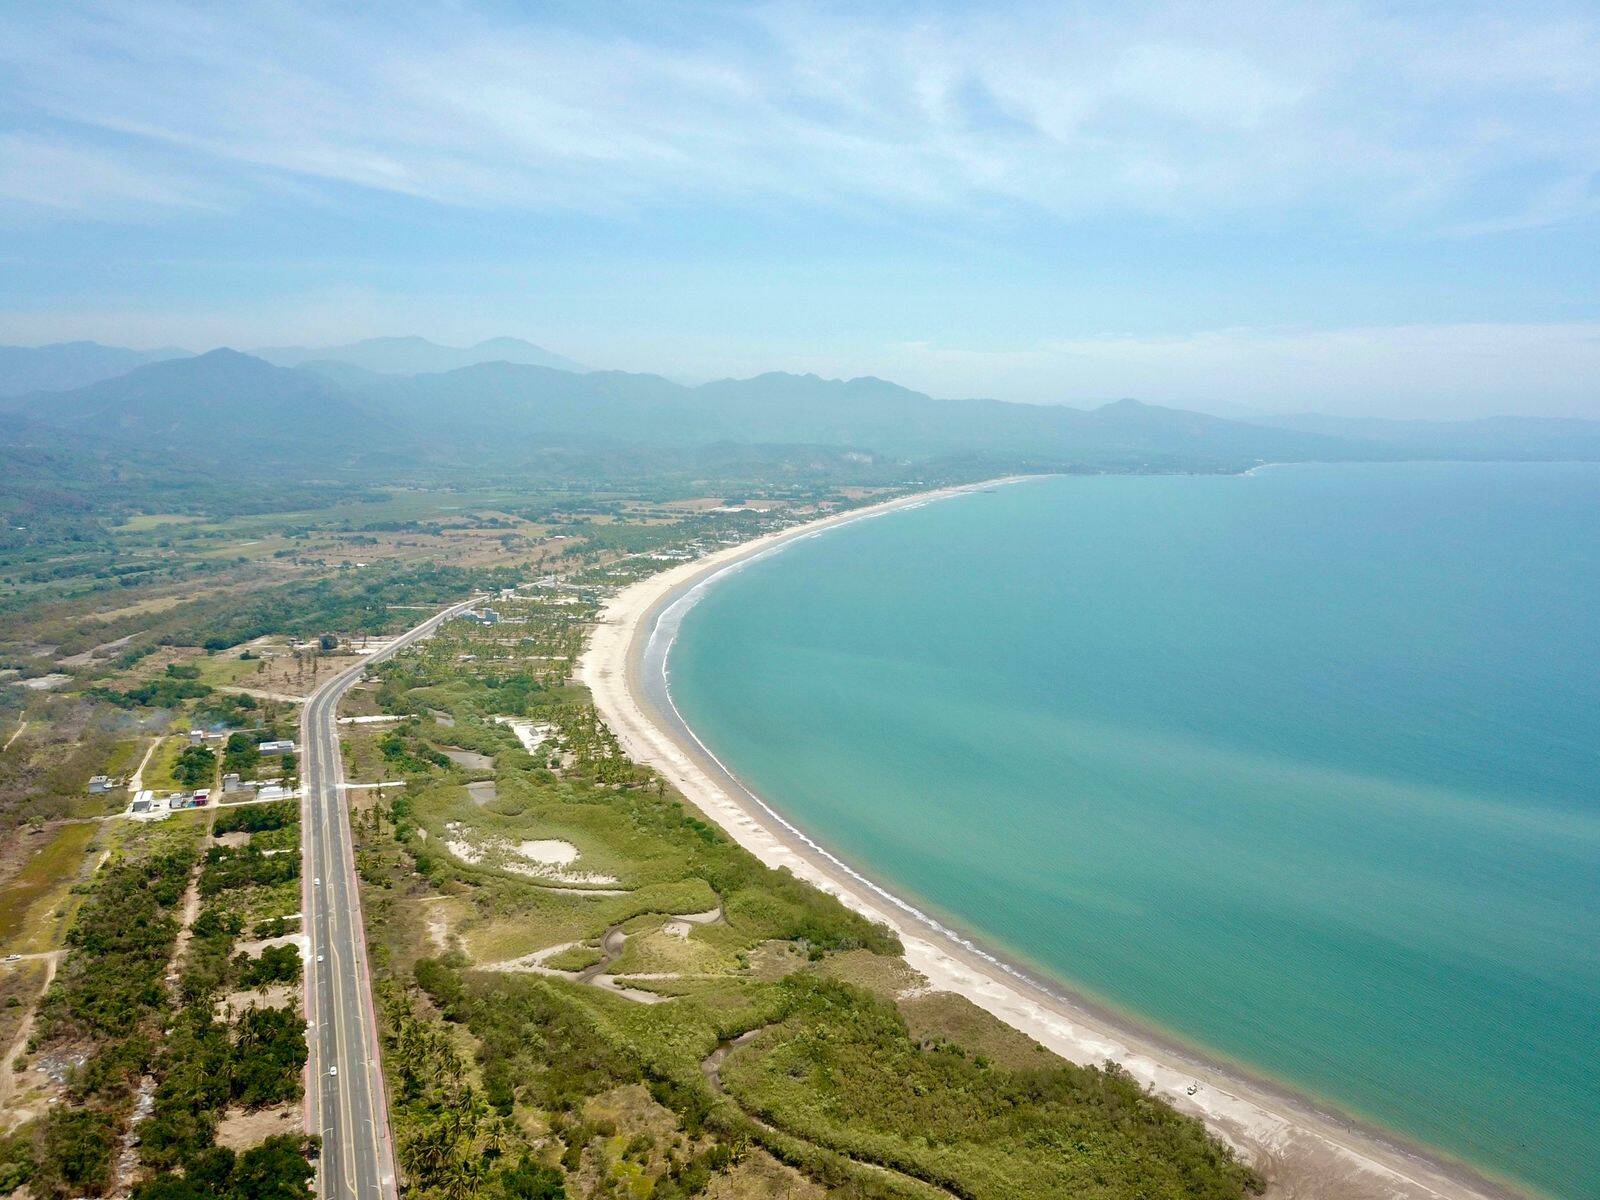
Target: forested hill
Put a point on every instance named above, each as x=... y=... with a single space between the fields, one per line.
x=867 y=414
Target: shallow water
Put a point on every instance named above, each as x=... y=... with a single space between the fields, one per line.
x=1302 y=766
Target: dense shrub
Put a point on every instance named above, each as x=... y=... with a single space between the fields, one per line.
x=254 y=818
x=227 y=868
x=194 y=765
x=75 y=1157
x=275 y=964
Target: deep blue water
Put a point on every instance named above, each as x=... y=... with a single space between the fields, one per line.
x=1301 y=766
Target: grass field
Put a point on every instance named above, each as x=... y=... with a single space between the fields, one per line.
x=223 y=670
x=158 y=774
x=143 y=522
x=28 y=899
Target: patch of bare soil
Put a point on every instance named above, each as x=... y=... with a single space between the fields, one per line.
x=239 y=1129
x=759 y=1176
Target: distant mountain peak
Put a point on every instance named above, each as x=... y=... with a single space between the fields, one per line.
x=507 y=343
x=410 y=354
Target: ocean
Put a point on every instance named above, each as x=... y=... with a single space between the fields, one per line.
x=1301 y=767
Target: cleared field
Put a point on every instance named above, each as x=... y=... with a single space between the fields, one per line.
x=222 y=670
x=158 y=772
x=141 y=522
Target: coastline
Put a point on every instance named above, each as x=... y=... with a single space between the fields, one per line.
x=1300 y=1147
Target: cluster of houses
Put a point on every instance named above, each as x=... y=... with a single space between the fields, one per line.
x=147 y=804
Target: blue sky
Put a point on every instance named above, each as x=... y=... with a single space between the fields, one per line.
x=1369 y=209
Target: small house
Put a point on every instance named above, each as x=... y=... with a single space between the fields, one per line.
x=281 y=746
x=99 y=785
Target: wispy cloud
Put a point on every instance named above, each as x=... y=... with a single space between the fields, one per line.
x=44 y=179
x=1177 y=111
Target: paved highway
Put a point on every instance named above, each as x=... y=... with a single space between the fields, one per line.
x=344 y=1094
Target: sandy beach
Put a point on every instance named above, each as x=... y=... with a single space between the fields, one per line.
x=1305 y=1151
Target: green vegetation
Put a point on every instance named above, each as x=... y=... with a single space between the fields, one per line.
x=158 y=693
x=44 y=776
x=113 y=1015
x=947 y=1116
x=123 y=606
x=275 y=964
x=275 y=1170
x=109 y=990
x=256 y=818
x=228 y=868
x=366 y=602
x=239 y=754
x=160 y=772
x=29 y=896
x=210 y=1063
x=194 y=766
x=17 y=1162
x=75 y=1158
x=268 y=1052
x=108 y=1005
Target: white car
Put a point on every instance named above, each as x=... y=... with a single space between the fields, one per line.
x=317 y=881
x=333 y=1070
x=319 y=958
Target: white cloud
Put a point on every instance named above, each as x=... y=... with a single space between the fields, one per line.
x=1177 y=110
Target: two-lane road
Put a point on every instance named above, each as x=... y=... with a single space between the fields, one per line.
x=345 y=1097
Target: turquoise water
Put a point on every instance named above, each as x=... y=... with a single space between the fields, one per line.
x=1302 y=766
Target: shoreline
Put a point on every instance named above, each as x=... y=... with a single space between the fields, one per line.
x=1299 y=1146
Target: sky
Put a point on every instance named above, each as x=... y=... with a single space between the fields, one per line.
x=1356 y=208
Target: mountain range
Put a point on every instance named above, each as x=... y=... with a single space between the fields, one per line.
x=225 y=411
x=67 y=365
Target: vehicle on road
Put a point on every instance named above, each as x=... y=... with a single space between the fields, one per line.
x=333 y=1070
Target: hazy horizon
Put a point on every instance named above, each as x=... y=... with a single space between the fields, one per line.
x=1308 y=207
x=1229 y=409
